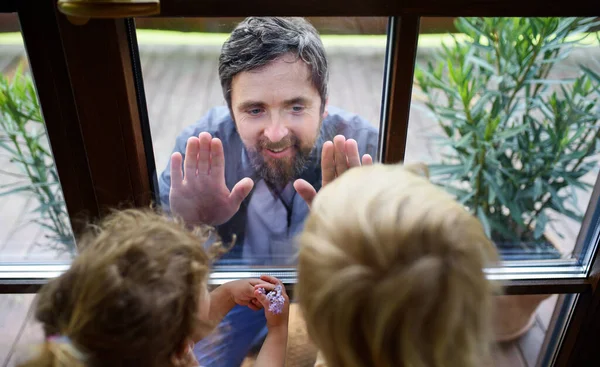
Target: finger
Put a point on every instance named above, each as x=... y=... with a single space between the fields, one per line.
x=253 y=307
x=257 y=283
x=264 y=301
x=240 y=191
x=254 y=281
x=341 y=162
x=327 y=163
x=305 y=190
x=270 y=279
x=217 y=159
x=262 y=284
x=190 y=163
x=176 y=172
x=257 y=303
x=367 y=160
x=352 y=153
x=204 y=153
x=267 y=287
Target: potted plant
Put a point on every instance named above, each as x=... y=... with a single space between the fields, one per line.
x=23 y=138
x=516 y=139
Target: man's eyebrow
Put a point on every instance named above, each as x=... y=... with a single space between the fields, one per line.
x=250 y=104
x=296 y=100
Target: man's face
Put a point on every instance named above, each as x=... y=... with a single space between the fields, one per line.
x=277 y=111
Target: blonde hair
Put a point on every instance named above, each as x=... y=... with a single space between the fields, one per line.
x=130 y=298
x=390 y=273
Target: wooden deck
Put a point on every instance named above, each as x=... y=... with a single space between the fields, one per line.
x=181 y=85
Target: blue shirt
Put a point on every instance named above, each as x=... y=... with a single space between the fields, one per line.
x=264 y=225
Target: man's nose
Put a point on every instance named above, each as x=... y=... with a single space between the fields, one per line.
x=276 y=131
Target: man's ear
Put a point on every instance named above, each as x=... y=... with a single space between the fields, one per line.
x=325 y=112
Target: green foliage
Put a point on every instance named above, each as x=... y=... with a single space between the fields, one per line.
x=516 y=140
x=23 y=138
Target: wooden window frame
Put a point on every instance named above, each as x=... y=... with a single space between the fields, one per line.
x=89 y=86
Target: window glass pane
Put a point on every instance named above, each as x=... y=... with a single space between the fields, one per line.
x=525 y=332
x=34 y=224
x=284 y=108
x=18 y=328
x=505 y=111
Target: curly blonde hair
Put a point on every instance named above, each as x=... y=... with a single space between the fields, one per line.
x=391 y=273
x=130 y=298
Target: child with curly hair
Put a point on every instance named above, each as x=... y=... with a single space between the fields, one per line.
x=137 y=295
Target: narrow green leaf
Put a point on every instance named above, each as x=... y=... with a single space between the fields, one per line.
x=456 y=192
x=537 y=188
x=15 y=190
x=511 y=131
x=501 y=227
x=464 y=141
x=484 y=222
x=540 y=225
x=515 y=213
x=482 y=64
x=591 y=73
x=550 y=81
x=444 y=169
x=465 y=198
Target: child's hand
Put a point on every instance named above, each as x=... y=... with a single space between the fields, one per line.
x=274 y=299
x=242 y=292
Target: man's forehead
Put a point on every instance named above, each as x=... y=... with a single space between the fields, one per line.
x=288 y=78
x=282 y=66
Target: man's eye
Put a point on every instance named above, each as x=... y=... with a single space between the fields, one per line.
x=255 y=111
x=298 y=108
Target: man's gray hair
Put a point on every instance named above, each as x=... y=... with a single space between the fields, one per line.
x=257 y=41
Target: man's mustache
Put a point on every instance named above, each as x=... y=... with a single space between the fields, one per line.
x=286 y=142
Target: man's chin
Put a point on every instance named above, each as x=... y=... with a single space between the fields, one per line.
x=279 y=172
x=273 y=162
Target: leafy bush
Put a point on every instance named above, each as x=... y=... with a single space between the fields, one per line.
x=516 y=143
x=23 y=137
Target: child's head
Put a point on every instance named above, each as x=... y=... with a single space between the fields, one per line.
x=390 y=273
x=134 y=296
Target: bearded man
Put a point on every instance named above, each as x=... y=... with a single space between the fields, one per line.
x=251 y=168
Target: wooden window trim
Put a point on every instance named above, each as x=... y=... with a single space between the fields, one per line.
x=43 y=43
x=8 y=6
x=88 y=92
x=398 y=86
x=243 y=8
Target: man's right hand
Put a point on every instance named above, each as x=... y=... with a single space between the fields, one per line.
x=199 y=194
x=336 y=158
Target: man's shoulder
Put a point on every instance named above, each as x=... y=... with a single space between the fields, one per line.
x=344 y=119
x=351 y=125
x=217 y=121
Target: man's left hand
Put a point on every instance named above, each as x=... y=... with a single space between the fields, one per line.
x=336 y=158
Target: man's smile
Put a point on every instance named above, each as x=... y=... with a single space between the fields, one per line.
x=279 y=152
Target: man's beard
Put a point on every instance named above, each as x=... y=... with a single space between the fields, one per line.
x=279 y=171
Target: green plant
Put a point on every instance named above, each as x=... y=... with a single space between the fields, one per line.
x=23 y=137
x=517 y=138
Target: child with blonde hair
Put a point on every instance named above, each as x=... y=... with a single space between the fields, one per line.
x=390 y=273
x=137 y=295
